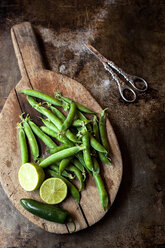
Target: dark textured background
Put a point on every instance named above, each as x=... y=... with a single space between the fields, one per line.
x=132 y=34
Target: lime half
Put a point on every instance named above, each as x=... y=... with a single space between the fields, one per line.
x=53 y=190
x=30 y=176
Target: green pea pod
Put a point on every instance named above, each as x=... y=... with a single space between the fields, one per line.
x=61 y=138
x=78 y=174
x=79 y=166
x=102 y=129
x=39 y=160
x=80 y=123
x=63 y=164
x=46 y=139
x=102 y=191
x=83 y=118
x=68 y=121
x=96 y=166
x=73 y=190
x=96 y=128
x=84 y=109
x=55 y=168
x=50 y=125
x=104 y=158
x=41 y=96
x=61 y=155
x=96 y=145
x=46 y=211
x=79 y=106
x=58 y=113
x=57 y=149
x=53 y=118
x=34 y=103
x=68 y=133
x=77 y=163
x=23 y=144
x=71 y=136
x=80 y=157
x=86 y=152
x=32 y=140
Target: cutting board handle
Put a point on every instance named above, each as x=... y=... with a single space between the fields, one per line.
x=26 y=49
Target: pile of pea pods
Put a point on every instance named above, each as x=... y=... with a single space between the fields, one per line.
x=75 y=143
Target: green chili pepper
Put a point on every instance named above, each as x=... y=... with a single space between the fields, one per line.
x=23 y=144
x=102 y=192
x=55 y=168
x=61 y=155
x=46 y=139
x=57 y=149
x=86 y=152
x=78 y=174
x=46 y=211
x=73 y=190
x=63 y=164
x=32 y=140
x=68 y=100
x=42 y=96
x=102 y=129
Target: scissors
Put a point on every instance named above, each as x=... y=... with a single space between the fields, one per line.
x=132 y=80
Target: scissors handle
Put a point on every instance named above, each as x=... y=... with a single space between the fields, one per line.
x=125 y=92
x=121 y=86
x=133 y=80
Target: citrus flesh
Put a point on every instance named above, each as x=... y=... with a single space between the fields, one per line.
x=30 y=176
x=53 y=190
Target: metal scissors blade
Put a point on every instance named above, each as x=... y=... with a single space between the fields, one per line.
x=108 y=65
x=97 y=54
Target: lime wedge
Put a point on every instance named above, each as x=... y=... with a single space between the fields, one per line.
x=30 y=176
x=53 y=190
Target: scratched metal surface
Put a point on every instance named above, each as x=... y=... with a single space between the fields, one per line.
x=131 y=33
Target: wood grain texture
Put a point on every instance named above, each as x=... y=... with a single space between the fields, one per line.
x=47 y=81
x=26 y=49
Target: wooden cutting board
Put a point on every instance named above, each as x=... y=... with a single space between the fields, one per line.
x=34 y=76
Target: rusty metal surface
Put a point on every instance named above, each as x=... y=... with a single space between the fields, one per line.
x=130 y=33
